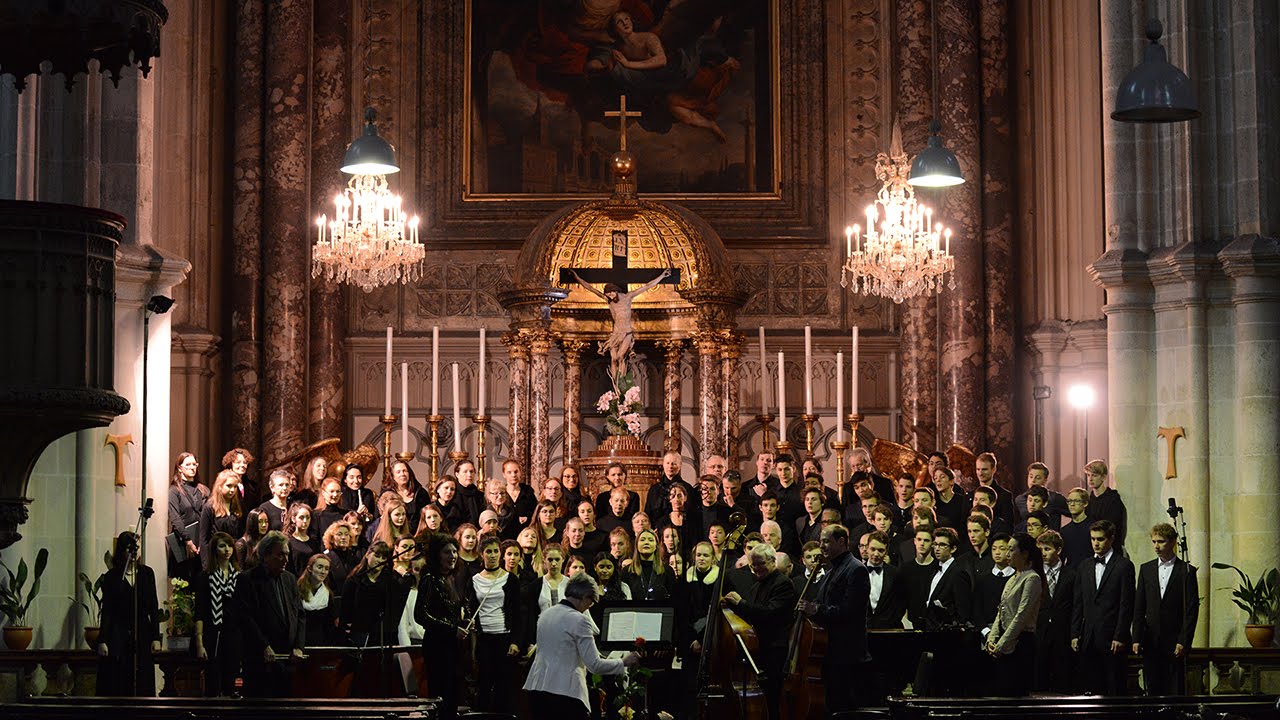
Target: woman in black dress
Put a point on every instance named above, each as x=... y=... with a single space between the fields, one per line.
x=186 y=500
x=318 y=602
x=355 y=496
x=216 y=637
x=127 y=642
x=222 y=513
x=405 y=486
x=256 y=524
x=449 y=503
x=307 y=487
x=340 y=548
x=440 y=611
x=303 y=543
x=329 y=507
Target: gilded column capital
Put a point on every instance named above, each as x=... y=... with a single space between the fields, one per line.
x=517 y=342
x=707 y=342
x=540 y=341
x=572 y=350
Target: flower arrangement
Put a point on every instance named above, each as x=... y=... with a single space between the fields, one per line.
x=631 y=700
x=180 y=609
x=622 y=407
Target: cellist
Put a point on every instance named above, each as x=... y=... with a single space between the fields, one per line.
x=841 y=608
x=767 y=605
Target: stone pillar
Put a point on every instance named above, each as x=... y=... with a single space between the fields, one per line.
x=672 y=355
x=518 y=404
x=246 y=235
x=571 y=351
x=710 y=404
x=962 y=375
x=330 y=133
x=730 y=357
x=540 y=402
x=285 y=229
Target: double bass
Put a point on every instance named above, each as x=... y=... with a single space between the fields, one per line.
x=728 y=679
x=803 y=696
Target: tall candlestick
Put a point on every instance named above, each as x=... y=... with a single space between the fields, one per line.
x=839 y=397
x=404 y=407
x=457 y=412
x=480 y=402
x=435 y=371
x=808 y=372
x=387 y=406
x=853 y=384
x=764 y=382
x=782 y=402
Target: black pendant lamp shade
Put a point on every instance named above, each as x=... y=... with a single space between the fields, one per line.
x=369 y=154
x=1155 y=91
x=935 y=166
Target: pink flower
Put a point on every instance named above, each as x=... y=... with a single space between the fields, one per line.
x=605 y=400
x=632 y=395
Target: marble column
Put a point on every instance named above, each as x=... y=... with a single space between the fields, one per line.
x=998 y=201
x=518 y=404
x=710 y=404
x=330 y=133
x=672 y=356
x=730 y=357
x=540 y=406
x=285 y=229
x=571 y=351
x=246 y=232
x=962 y=375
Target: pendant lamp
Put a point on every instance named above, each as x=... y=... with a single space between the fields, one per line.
x=1155 y=91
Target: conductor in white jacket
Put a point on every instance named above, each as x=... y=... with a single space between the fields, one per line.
x=557 y=683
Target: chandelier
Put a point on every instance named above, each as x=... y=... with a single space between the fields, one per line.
x=903 y=253
x=368 y=242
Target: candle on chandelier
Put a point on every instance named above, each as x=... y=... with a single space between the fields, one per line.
x=404 y=406
x=853 y=384
x=840 y=397
x=808 y=371
x=387 y=405
x=848 y=240
x=764 y=382
x=782 y=402
x=435 y=371
x=457 y=412
x=480 y=401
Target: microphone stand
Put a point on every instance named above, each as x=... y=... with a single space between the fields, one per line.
x=387 y=567
x=145 y=511
x=1177 y=515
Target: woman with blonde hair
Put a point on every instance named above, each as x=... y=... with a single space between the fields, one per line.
x=340 y=548
x=394 y=523
x=318 y=601
x=312 y=479
x=222 y=512
x=649 y=575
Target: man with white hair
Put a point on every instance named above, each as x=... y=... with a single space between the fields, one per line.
x=768 y=606
x=715 y=465
x=860 y=461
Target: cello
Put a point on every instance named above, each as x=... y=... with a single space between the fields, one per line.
x=728 y=646
x=803 y=696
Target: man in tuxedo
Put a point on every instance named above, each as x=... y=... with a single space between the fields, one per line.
x=841 y=608
x=950 y=597
x=989 y=579
x=1165 y=609
x=1055 y=662
x=888 y=595
x=1102 y=613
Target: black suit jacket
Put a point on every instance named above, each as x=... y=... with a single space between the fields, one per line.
x=1160 y=623
x=892 y=605
x=952 y=600
x=769 y=606
x=260 y=619
x=843 y=598
x=987 y=589
x=1053 y=624
x=1103 y=611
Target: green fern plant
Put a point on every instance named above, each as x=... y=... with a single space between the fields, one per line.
x=14 y=601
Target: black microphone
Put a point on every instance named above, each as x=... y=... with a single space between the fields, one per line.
x=1173 y=509
x=148 y=509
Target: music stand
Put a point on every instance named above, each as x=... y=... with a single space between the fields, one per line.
x=623 y=621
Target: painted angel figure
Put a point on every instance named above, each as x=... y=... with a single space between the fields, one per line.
x=622 y=338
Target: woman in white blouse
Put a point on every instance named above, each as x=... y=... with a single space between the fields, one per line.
x=1012 y=640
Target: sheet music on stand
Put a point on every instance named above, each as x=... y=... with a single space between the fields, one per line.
x=623 y=622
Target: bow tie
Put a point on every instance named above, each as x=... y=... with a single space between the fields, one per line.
x=1099 y=559
x=874 y=570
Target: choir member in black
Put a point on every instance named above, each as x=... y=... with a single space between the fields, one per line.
x=1055 y=662
x=329 y=507
x=1076 y=549
x=903 y=489
x=469 y=560
x=530 y=549
x=494 y=595
x=238 y=460
x=355 y=496
x=952 y=502
x=950 y=598
x=272 y=623
x=733 y=498
x=216 y=638
x=621 y=547
x=394 y=523
x=648 y=575
x=520 y=497
x=513 y=561
x=279 y=484
x=677 y=516
x=811 y=570
x=372 y=599
x=449 y=503
x=640 y=522
x=769 y=512
x=841 y=608
x=1165 y=608
x=985 y=497
x=594 y=540
x=432 y=520
x=615 y=514
x=359 y=542
x=404 y=484
x=985 y=468
x=440 y=611
x=308 y=485
x=709 y=510
x=469 y=495
x=808 y=526
x=575 y=534
x=888 y=588
x=658 y=502
x=615 y=477
x=553 y=493
x=256 y=525
x=1038 y=476
x=303 y=543
x=571 y=485
x=339 y=547
x=127 y=642
x=186 y=501
x=1103 y=611
x=860 y=462
x=544 y=523
x=672 y=545
x=499 y=503
x=979 y=554
x=1105 y=503
x=700 y=582
x=1012 y=640
x=222 y=513
x=767 y=605
x=318 y=602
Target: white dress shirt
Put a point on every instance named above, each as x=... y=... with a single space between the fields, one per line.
x=877 y=584
x=1165 y=571
x=937 y=576
x=1101 y=567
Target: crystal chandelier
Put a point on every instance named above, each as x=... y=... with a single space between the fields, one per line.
x=368 y=242
x=905 y=254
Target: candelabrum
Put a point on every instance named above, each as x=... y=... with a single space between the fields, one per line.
x=839 y=446
x=765 y=421
x=434 y=422
x=809 y=420
x=481 y=421
x=405 y=457
x=854 y=419
x=387 y=422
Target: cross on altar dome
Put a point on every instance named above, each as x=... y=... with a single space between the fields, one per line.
x=622 y=115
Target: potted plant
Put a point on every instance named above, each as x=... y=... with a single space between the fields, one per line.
x=1259 y=601
x=180 y=611
x=92 y=604
x=15 y=600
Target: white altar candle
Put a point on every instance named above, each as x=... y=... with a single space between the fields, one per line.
x=387 y=406
x=480 y=403
x=457 y=413
x=782 y=402
x=853 y=384
x=404 y=405
x=764 y=375
x=435 y=371
x=808 y=371
x=839 y=397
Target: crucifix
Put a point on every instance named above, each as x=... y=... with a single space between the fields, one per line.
x=616 y=280
x=622 y=115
